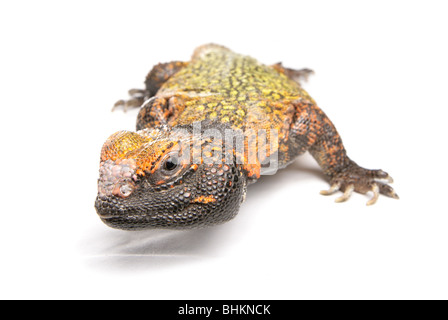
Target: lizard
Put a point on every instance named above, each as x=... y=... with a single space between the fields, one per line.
x=201 y=127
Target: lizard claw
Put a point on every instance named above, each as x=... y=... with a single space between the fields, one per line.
x=387 y=190
x=347 y=194
x=355 y=178
x=376 y=193
x=119 y=104
x=333 y=188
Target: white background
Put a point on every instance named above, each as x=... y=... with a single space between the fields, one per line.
x=380 y=74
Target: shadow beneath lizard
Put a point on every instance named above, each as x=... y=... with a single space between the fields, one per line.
x=149 y=249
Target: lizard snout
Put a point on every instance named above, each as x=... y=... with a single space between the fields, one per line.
x=117 y=178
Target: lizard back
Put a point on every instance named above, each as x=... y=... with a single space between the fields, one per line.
x=224 y=86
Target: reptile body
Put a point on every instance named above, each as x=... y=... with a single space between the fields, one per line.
x=205 y=130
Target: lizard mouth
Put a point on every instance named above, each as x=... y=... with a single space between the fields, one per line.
x=106 y=216
x=115 y=214
x=108 y=207
x=129 y=218
x=118 y=214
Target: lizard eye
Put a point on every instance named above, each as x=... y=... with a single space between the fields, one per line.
x=170 y=169
x=170 y=164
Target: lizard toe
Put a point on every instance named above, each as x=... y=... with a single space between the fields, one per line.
x=347 y=194
x=137 y=97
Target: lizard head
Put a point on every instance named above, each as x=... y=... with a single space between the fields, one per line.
x=167 y=178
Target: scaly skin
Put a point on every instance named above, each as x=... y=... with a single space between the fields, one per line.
x=173 y=173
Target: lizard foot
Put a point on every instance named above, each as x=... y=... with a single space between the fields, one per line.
x=137 y=97
x=299 y=75
x=294 y=74
x=361 y=180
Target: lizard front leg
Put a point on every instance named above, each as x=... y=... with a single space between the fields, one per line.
x=313 y=131
x=159 y=74
x=159 y=110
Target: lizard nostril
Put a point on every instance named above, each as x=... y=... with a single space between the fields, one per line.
x=126 y=190
x=123 y=190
